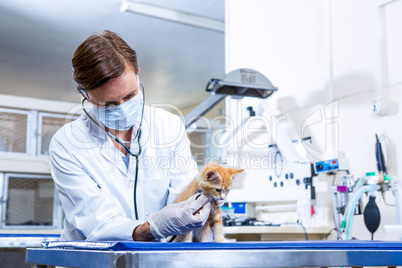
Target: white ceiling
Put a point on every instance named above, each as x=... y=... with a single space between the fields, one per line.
x=38 y=38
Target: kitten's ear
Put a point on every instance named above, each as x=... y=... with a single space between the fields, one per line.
x=212 y=176
x=235 y=171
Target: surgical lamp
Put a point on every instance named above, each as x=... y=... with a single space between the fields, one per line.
x=238 y=84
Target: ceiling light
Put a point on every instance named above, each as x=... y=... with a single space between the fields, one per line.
x=173 y=15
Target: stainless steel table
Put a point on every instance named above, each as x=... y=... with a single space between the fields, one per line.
x=12 y=247
x=25 y=240
x=239 y=254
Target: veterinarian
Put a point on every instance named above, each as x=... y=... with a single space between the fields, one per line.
x=119 y=167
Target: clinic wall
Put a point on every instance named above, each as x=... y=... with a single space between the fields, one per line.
x=324 y=54
x=284 y=40
x=29 y=81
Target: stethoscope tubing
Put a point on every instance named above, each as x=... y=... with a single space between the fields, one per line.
x=122 y=143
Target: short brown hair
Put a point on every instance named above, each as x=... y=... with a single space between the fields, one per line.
x=100 y=58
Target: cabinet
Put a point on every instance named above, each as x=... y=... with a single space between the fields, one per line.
x=28 y=198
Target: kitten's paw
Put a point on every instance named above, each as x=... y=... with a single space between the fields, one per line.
x=220 y=240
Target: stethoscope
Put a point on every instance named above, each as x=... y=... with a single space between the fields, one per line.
x=122 y=143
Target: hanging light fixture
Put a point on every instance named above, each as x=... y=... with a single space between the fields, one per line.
x=172 y=15
x=238 y=84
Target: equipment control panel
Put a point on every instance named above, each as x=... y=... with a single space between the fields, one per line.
x=326 y=166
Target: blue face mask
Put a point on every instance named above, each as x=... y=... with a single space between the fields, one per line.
x=123 y=116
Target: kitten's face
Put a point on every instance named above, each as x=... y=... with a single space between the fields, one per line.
x=216 y=180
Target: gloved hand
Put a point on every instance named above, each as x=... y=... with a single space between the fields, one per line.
x=178 y=218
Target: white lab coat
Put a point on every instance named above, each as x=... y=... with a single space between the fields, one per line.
x=96 y=188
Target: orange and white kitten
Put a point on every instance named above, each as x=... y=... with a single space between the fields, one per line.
x=214 y=181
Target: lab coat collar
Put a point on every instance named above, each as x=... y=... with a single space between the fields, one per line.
x=94 y=130
x=113 y=155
